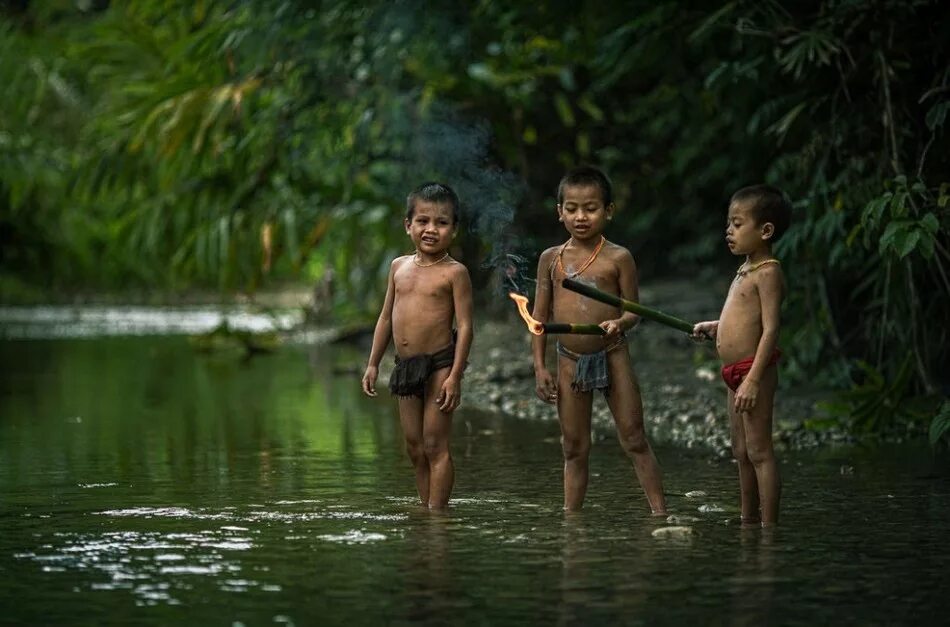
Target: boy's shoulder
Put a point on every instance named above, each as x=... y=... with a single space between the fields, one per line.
x=401 y=261
x=769 y=275
x=456 y=267
x=616 y=251
x=553 y=250
x=615 y=247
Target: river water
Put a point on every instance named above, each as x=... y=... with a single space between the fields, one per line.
x=144 y=483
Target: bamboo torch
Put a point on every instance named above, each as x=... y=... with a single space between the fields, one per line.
x=551 y=328
x=628 y=305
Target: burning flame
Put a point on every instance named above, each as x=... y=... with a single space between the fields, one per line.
x=522 y=301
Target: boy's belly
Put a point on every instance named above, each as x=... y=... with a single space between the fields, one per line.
x=585 y=311
x=417 y=333
x=737 y=336
x=582 y=344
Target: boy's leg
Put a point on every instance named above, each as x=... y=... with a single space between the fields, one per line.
x=410 y=417
x=436 y=433
x=573 y=410
x=758 y=437
x=748 y=486
x=626 y=405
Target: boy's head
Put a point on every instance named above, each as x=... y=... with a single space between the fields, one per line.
x=766 y=205
x=433 y=192
x=587 y=176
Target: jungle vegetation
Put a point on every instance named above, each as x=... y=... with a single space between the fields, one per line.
x=163 y=144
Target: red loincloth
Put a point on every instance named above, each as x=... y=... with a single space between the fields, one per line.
x=734 y=373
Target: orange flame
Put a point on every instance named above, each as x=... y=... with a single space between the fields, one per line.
x=522 y=301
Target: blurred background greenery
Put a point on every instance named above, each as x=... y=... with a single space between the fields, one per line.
x=168 y=146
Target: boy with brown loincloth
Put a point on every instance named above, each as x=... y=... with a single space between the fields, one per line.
x=585 y=362
x=747 y=338
x=425 y=292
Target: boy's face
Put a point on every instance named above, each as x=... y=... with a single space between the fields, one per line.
x=583 y=212
x=432 y=227
x=744 y=234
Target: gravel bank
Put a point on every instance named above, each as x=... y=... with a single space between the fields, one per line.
x=683 y=395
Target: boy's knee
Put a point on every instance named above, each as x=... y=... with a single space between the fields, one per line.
x=416 y=451
x=759 y=455
x=575 y=448
x=634 y=442
x=740 y=453
x=435 y=448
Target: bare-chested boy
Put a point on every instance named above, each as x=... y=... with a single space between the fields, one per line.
x=425 y=292
x=747 y=340
x=587 y=363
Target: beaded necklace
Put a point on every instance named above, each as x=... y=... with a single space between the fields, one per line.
x=415 y=260
x=590 y=260
x=743 y=270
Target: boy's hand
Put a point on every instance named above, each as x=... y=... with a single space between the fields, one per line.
x=705 y=330
x=450 y=395
x=612 y=329
x=369 y=380
x=545 y=386
x=746 y=395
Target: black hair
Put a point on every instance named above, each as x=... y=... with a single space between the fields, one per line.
x=433 y=192
x=587 y=175
x=767 y=204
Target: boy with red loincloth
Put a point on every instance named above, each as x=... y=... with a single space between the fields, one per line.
x=425 y=292
x=746 y=338
x=589 y=362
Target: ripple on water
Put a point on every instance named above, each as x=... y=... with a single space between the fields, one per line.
x=354 y=536
x=152 y=565
x=167 y=512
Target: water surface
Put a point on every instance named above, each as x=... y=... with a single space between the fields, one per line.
x=144 y=483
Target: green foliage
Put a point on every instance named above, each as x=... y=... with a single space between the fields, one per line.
x=178 y=144
x=940 y=425
x=878 y=405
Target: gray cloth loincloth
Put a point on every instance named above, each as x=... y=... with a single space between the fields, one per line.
x=411 y=374
x=591 y=371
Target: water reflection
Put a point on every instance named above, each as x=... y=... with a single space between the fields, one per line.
x=428 y=582
x=94 y=321
x=753 y=583
x=576 y=564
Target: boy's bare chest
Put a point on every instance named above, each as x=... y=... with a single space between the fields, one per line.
x=415 y=285
x=743 y=295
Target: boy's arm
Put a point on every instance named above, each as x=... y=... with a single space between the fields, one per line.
x=382 y=334
x=545 y=386
x=462 y=301
x=451 y=393
x=770 y=285
x=629 y=285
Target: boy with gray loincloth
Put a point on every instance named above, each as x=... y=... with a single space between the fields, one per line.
x=585 y=362
x=747 y=341
x=425 y=292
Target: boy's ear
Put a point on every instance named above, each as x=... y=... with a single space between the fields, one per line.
x=560 y=218
x=610 y=211
x=768 y=230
